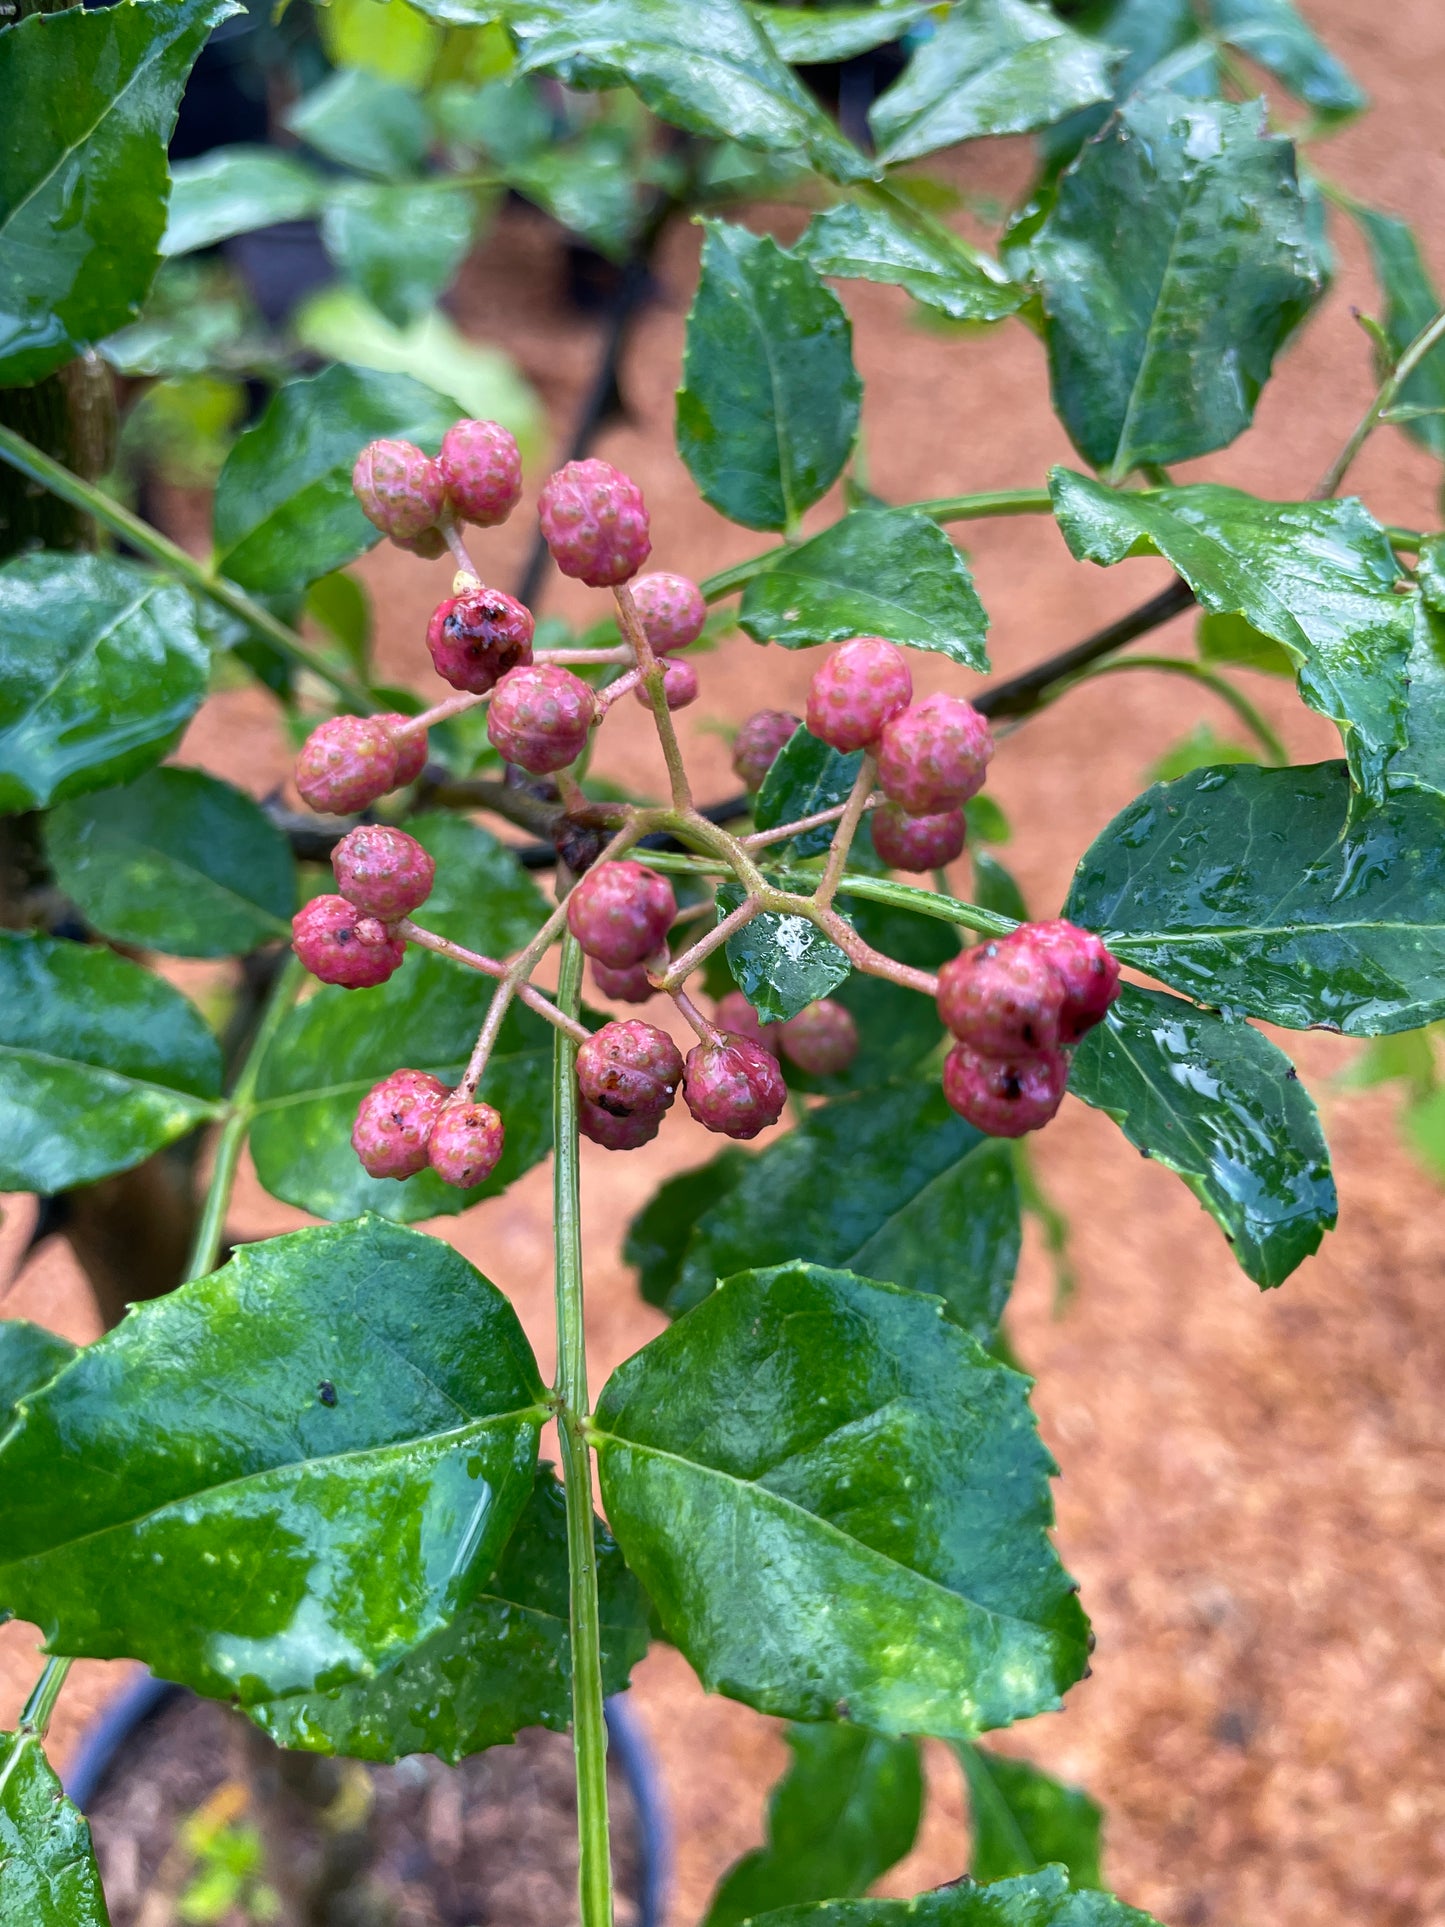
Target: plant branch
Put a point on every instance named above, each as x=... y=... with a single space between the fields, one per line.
x=491 y=967
x=847 y=828
x=682 y=967
x=1021 y=695
x=1429 y=337
x=35 y=1714
x=654 y=681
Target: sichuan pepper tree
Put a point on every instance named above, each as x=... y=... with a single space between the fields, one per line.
x=307 y=1482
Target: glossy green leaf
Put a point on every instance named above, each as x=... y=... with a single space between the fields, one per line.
x=807 y=776
x=232 y=190
x=401 y=245
x=482 y=897
x=852 y=242
x=1420 y=764
x=178 y=862
x=846 y=1810
x=991 y=67
x=877 y=572
x=282 y=1476
x=1042 y=1899
x=29 y=1357
x=1317 y=577
x=768 y=408
x=1200 y=748
x=816 y=36
x=100 y=669
x=48 y=1875
x=839 y=1506
x=590 y=186
x=376 y=126
x=503 y=1663
x=1023 y=1820
x=1273 y=33
x=780 y=963
x=100 y=1063
x=90 y=99
x=1430 y=572
x=704 y=65
x=1157 y=43
x=1174 y=264
x=1221 y=1105
x=506 y=119
x=659 y=1235
x=889 y=1183
x=284 y=510
x=1233 y=639
x=996 y=888
x=1411 y=304
x=1276 y=892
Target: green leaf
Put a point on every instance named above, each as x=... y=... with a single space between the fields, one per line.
x=658 y=1236
x=400 y=245
x=1023 y=1820
x=1317 y=577
x=178 y=862
x=1233 y=639
x=938 y=268
x=90 y=101
x=29 y=1357
x=1273 y=891
x=1273 y=33
x=376 y=126
x=591 y=187
x=889 y=1183
x=806 y=777
x=503 y=1663
x=780 y=963
x=1201 y=748
x=284 y=509
x=812 y=1453
x=100 y=1064
x=1157 y=43
x=768 y=408
x=992 y=67
x=506 y=119
x=1222 y=1106
x=232 y=190
x=817 y=36
x=100 y=669
x=877 y=572
x=996 y=888
x=703 y=65
x=1420 y=764
x=1411 y=304
x=1042 y=1899
x=482 y=897
x=846 y=1810
x=46 y=1859
x=1174 y=264
x=281 y=1476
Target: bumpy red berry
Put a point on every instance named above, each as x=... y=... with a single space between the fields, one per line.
x=595 y=523
x=1002 y=998
x=629 y=986
x=935 y=755
x=671 y=608
x=410 y=749
x=465 y=1144
x=394 y=1122
x=821 y=1040
x=383 y=871
x=1090 y=974
x=628 y=1067
x=1004 y=1096
x=679 y=685
x=734 y=1087
x=540 y=716
x=330 y=937
x=346 y=763
x=620 y=913
x=856 y=691
x=734 y=1013
x=399 y=488
x=476 y=637
x=428 y=545
x=481 y=470
x=907 y=842
x=760 y=742
x=617 y=1133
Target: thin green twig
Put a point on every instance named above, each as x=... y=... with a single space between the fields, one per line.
x=1209 y=678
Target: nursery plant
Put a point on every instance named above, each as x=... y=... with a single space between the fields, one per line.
x=306 y=1480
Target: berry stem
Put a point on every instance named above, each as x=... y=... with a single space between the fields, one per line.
x=438 y=713
x=654 y=681
x=497 y=1009
x=683 y=966
x=584 y=658
x=491 y=967
x=706 y=1030
x=847 y=829
x=862 y=955
x=614 y=690
x=452 y=536
x=760 y=839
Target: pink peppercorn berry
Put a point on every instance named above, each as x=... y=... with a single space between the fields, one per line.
x=383 y=871
x=540 y=716
x=671 y=610
x=595 y=523
x=466 y=1143
x=679 y=685
x=394 y=1122
x=733 y=1087
x=628 y=986
x=934 y=755
x=428 y=545
x=760 y=742
x=620 y=913
x=617 y=1133
x=481 y=470
x=476 y=637
x=734 y=1013
x=346 y=763
x=1090 y=975
x=629 y=1067
x=821 y=1040
x=856 y=691
x=1002 y=998
x=339 y=945
x=907 y=842
x=1004 y=1097
x=400 y=489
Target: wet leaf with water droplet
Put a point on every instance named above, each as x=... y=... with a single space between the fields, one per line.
x=47 y=1861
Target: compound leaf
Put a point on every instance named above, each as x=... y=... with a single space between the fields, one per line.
x=852 y=242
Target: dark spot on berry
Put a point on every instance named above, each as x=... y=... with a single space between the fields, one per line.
x=1010 y=1085
x=326 y=1392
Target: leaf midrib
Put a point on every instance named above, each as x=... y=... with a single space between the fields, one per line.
x=114 y=844
x=27 y=1053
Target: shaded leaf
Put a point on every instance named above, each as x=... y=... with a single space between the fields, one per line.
x=768 y=408
x=806 y=777
x=47 y=1862
x=1233 y=639
x=29 y=1357
x=376 y=126
x=996 y=888
x=100 y=1064
x=1023 y=1820
x=1420 y=764
x=1042 y=1899
x=1157 y=44
x=839 y=1506
x=659 y=1235
x=853 y=242
x=232 y=190
x=591 y=187
x=779 y=962
x=1411 y=304
x=400 y=245
x=1274 y=33
x=182 y=1494
x=815 y=36
x=1201 y=748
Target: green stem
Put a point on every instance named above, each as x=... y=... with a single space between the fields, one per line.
x=1409 y=360
x=35 y=1716
x=1198 y=672
x=589 y=1727
x=234 y=1132
x=42 y=468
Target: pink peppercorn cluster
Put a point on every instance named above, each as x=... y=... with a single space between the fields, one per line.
x=475 y=477
x=1016 y=1005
